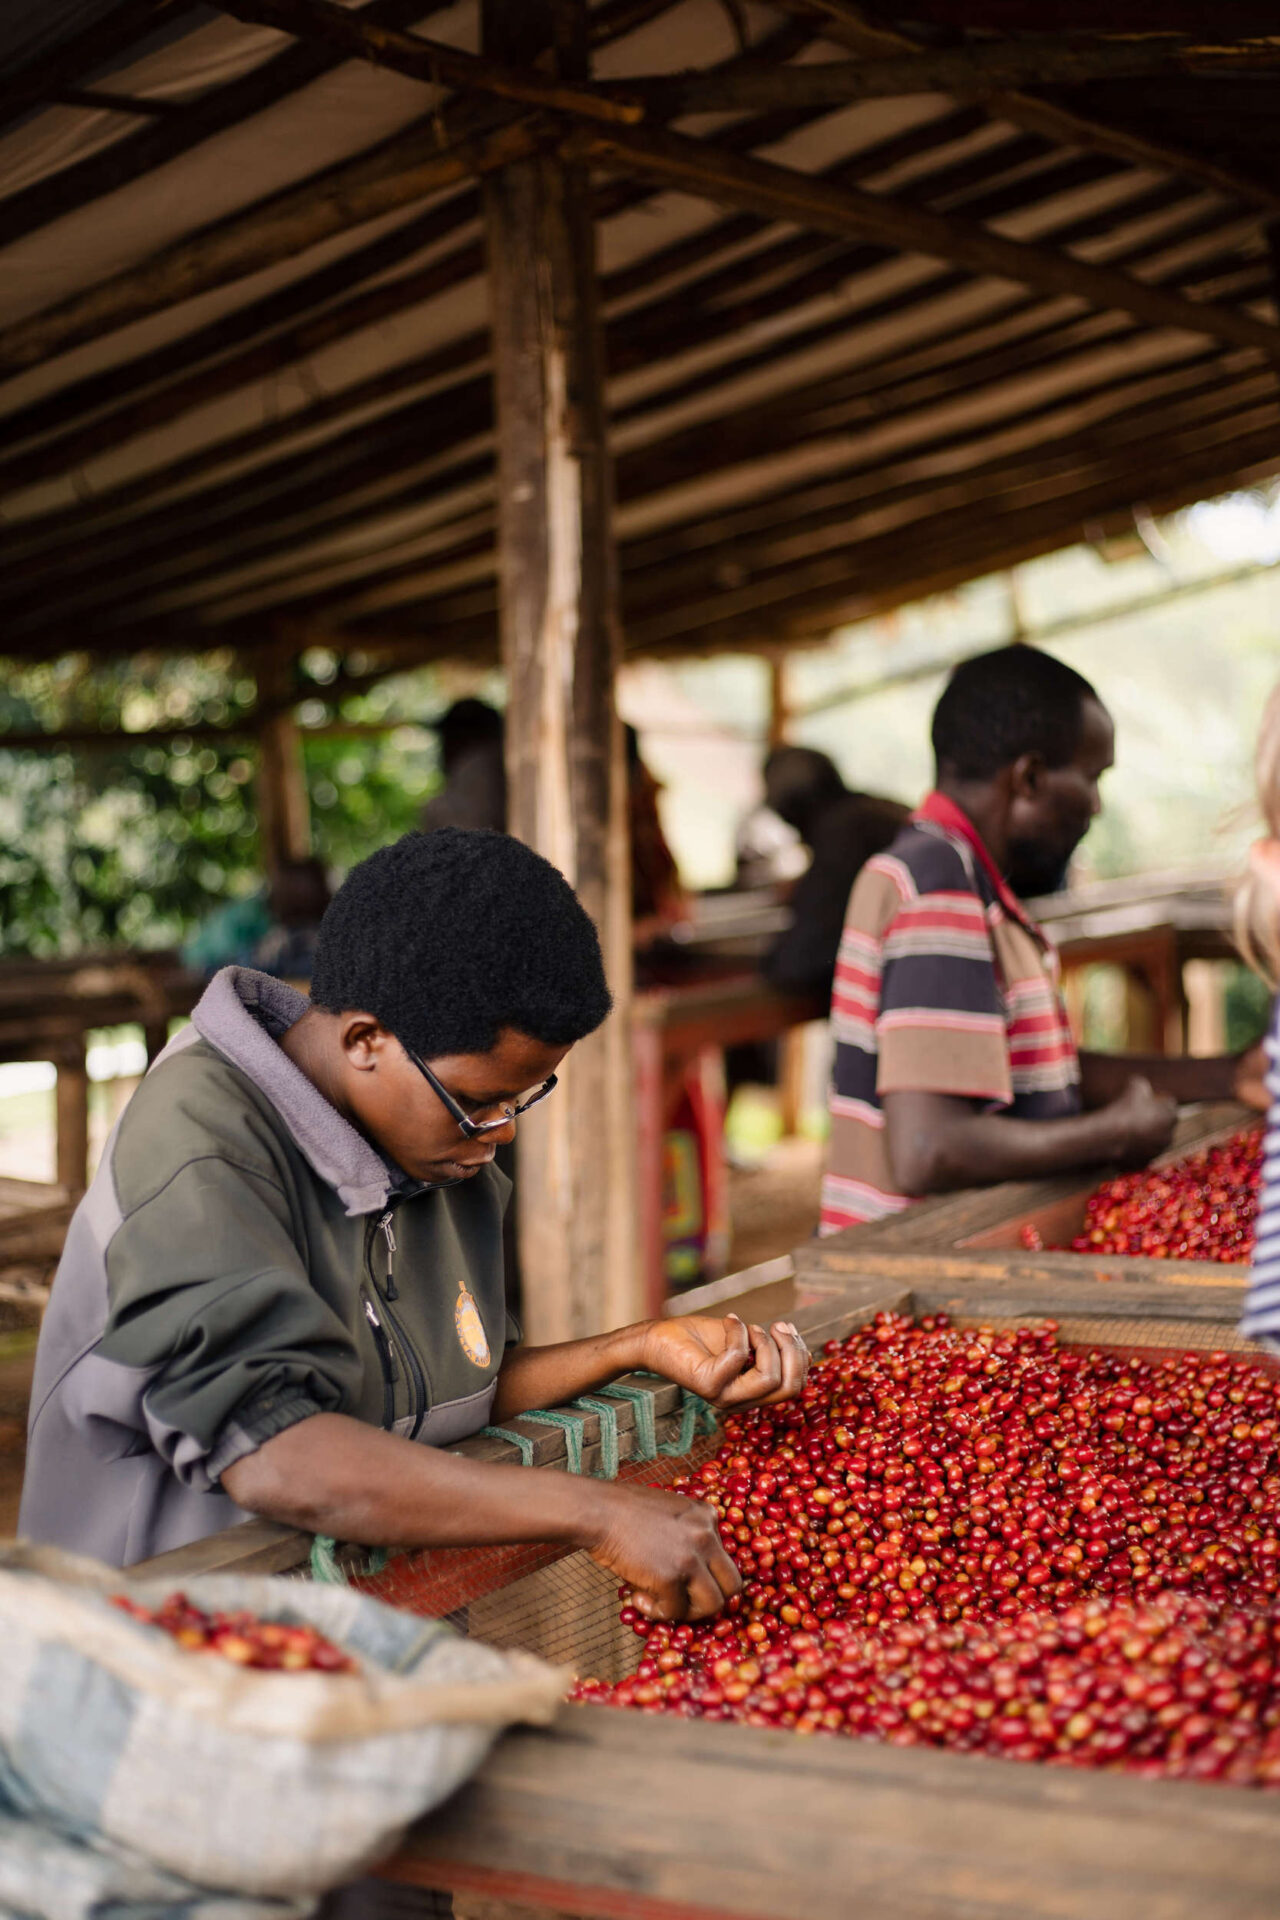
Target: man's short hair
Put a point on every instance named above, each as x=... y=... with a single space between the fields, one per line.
x=1000 y=705
x=467 y=724
x=799 y=779
x=448 y=937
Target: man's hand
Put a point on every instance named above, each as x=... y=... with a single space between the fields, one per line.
x=665 y=1548
x=1250 y=1086
x=1144 y=1121
x=729 y=1363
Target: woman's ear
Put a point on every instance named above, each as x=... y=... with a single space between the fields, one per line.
x=364 y=1040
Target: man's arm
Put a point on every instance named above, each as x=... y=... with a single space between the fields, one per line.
x=938 y=1142
x=333 y=1475
x=1226 y=1076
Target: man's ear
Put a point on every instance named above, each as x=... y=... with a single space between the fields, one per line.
x=363 y=1039
x=1025 y=776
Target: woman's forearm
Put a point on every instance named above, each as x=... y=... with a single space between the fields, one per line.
x=549 y=1376
x=334 y=1475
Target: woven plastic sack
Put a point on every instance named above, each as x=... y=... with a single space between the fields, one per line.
x=235 y=1778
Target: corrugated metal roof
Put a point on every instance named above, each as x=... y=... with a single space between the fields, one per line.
x=808 y=422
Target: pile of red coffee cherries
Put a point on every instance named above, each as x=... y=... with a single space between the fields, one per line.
x=241 y=1637
x=1202 y=1207
x=986 y=1541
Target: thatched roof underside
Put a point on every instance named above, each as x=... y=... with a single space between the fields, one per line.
x=244 y=351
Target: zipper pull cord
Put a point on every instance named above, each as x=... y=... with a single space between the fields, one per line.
x=380 y=1334
x=388 y=1232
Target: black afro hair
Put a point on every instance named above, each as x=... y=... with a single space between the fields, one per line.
x=450 y=936
x=1000 y=705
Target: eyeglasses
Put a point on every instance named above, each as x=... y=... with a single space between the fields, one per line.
x=476 y=1129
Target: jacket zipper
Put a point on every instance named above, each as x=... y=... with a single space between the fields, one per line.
x=417 y=1379
x=388 y=1362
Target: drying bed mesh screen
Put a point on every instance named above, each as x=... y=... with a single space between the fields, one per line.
x=542 y=1599
x=561 y=1606
x=1136 y=1335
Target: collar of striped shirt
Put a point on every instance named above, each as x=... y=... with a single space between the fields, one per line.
x=943 y=812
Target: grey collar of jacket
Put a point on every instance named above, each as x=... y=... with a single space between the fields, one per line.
x=243 y=1013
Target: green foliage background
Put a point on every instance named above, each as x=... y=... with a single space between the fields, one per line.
x=133 y=845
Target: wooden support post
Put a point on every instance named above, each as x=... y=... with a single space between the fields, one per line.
x=72 y=1116
x=284 y=812
x=779 y=708
x=560 y=647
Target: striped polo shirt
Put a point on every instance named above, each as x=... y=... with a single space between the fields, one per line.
x=1262 y=1304
x=943 y=985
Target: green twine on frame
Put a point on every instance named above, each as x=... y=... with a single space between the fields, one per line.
x=328 y=1569
x=641 y=1399
x=607 y=1414
x=571 y=1425
x=520 y=1441
x=696 y=1416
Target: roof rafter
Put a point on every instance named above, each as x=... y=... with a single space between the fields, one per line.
x=696 y=313
x=64 y=65
x=847 y=24
x=761 y=186
x=973 y=71
x=432 y=61
x=402 y=170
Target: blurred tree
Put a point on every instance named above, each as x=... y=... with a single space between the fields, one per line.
x=133 y=844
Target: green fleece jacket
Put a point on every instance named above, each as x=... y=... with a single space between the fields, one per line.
x=243 y=1260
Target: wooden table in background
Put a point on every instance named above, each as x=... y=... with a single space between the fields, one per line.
x=677 y=1029
x=1149 y=927
x=48 y=1009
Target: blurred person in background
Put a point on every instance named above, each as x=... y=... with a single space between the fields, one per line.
x=299 y=896
x=659 y=901
x=842 y=828
x=474 y=793
x=273 y=929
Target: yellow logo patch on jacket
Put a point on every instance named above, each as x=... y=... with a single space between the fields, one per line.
x=471 y=1334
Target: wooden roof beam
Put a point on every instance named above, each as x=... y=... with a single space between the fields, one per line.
x=1165 y=389
x=976 y=70
x=394 y=175
x=64 y=65
x=431 y=61
x=961 y=544
x=139 y=152
x=846 y=23
x=702 y=168
x=101 y=99
x=1103 y=16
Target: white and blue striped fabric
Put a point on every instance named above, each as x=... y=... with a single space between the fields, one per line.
x=1261 y=1319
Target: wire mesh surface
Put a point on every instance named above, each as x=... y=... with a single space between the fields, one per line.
x=544 y=1599
x=1137 y=1334
x=558 y=1604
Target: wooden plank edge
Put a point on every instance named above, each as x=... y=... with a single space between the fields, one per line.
x=692 y=1819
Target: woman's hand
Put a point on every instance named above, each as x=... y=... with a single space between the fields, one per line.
x=729 y=1363
x=666 y=1549
x=1251 y=1073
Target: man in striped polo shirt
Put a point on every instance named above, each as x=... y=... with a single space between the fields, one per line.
x=954 y=1063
